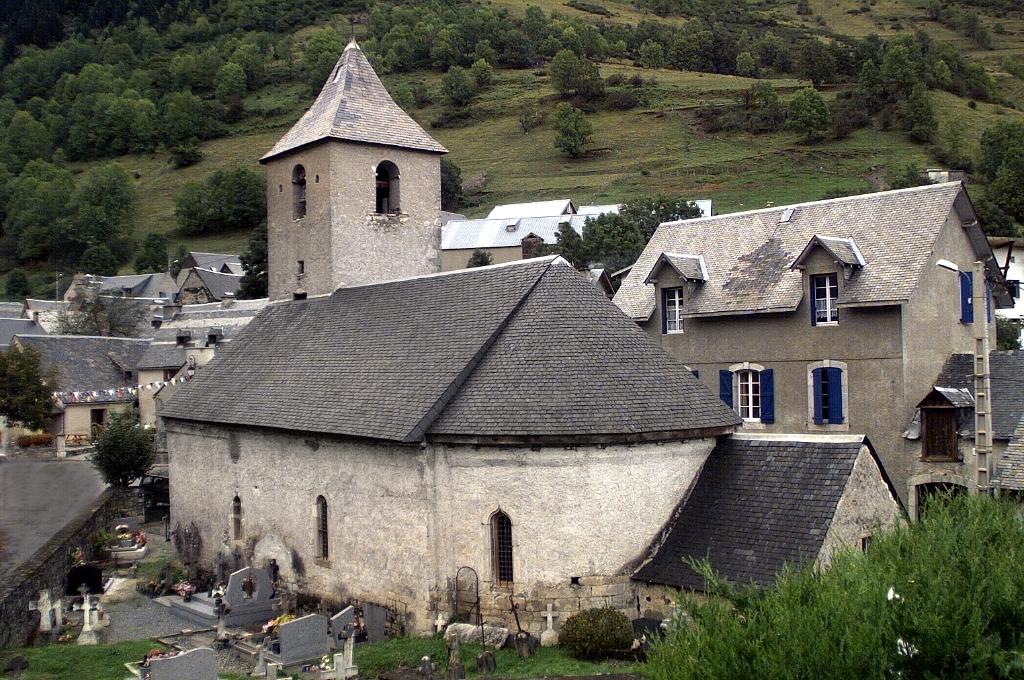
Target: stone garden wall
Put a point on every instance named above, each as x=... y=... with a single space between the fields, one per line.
x=403 y=518
x=48 y=567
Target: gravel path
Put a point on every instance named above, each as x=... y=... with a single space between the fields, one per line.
x=139 y=617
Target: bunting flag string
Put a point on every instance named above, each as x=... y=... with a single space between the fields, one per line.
x=117 y=393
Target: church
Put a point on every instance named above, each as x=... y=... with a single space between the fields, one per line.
x=394 y=435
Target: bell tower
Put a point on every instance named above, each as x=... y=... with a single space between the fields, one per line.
x=353 y=190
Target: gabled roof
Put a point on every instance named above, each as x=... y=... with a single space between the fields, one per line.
x=151 y=285
x=749 y=254
x=11 y=327
x=525 y=350
x=758 y=504
x=842 y=250
x=689 y=267
x=561 y=206
x=354 y=106
x=1010 y=472
x=1007 y=378
x=222 y=262
x=85 y=362
x=217 y=283
x=161 y=355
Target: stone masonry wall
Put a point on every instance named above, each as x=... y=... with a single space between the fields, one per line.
x=49 y=566
x=402 y=519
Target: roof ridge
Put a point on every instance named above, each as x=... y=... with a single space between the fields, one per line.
x=423 y=426
x=839 y=199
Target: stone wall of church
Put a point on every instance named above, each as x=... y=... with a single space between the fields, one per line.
x=403 y=519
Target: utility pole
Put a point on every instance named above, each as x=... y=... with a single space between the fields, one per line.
x=982 y=382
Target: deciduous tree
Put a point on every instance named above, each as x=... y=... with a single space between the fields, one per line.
x=125 y=449
x=26 y=391
x=572 y=130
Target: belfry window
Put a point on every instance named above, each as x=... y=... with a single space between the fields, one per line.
x=298 y=192
x=387 y=189
x=501 y=547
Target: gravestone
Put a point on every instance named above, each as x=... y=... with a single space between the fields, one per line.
x=86 y=574
x=195 y=664
x=455 y=669
x=301 y=640
x=549 y=638
x=88 y=636
x=341 y=627
x=375 y=619
x=248 y=600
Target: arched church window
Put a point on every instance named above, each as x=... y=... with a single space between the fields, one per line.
x=236 y=518
x=387 y=188
x=322 y=545
x=298 y=192
x=501 y=547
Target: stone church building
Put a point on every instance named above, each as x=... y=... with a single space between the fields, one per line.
x=380 y=426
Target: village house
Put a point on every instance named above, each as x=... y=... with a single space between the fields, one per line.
x=385 y=432
x=830 y=316
x=95 y=377
x=11 y=327
x=224 y=263
x=1009 y=476
x=153 y=285
x=46 y=313
x=516 y=231
x=1009 y=253
x=200 y=286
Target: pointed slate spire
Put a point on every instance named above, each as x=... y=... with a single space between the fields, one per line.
x=354 y=106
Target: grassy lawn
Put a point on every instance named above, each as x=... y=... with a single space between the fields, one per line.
x=106 y=662
x=71 y=662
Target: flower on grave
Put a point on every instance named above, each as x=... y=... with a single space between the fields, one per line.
x=892 y=595
x=325 y=663
x=123 y=531
x=184 y=589
x=140 y=538
x=904 y=648
x=272 y=625
x=78 y=557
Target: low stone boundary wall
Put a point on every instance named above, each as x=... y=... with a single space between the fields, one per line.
x=48 y=567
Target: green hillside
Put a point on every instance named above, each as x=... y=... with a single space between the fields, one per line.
x=661 y=146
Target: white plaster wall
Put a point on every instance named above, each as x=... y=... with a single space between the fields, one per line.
x=865 y=508
x=404 y=518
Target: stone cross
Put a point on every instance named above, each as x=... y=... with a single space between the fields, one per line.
x=549 y=638
x=88 y=635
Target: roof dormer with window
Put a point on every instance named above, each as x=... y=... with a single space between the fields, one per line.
x=676 y=277
x=829 y=263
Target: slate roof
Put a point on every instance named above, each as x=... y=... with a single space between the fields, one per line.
x=152 y=285
x=216 y=261
x=1009 y=473
x=757 y=505
x=354 y=106
x=86 y=362
x=219 y=284
x=844 y=250
x=12 y=310
x=161 y=355
x=749 y=254
x=689 y=267
x=1007 y=377
x=461 y=355
x=11 y=327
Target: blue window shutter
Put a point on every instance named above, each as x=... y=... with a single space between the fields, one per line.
x=767 y=396
x=664 y=311
x=816 y=384
x=835 y=395
x=966 y=300
x=725 y=387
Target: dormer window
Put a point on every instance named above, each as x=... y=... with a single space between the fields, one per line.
x=672 y=310
x=825 y=299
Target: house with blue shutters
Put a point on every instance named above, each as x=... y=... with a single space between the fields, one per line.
x=823 y=317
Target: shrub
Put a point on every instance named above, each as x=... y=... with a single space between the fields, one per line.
x=530 y=118
x=589 y=7
x=615 y=79
x=596 y=634
x=26 y=440
x=622 y=100
x=125 y=450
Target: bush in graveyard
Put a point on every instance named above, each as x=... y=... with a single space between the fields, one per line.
x=939 y=598
x=125 y=449
x=596 y=634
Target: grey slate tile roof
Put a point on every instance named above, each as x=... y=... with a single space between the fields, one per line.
x=11 y=327
x=86 y=362
x=757 y=505
x=219 y=284
x=12 y=310
x=842 y=249
x=465 y=354
x=152 y=285
x=749 y=254
x=689 y=267
x=354 y=106
x=1009 y=473
x=215 y=261
x=1007 y=377
x=161 y=355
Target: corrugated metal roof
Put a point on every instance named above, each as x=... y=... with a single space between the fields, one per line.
x=561 y=206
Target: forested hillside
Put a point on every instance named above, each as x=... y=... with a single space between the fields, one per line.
x=131 y=127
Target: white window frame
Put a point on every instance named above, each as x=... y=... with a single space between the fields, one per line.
x=736 y=369
x=831 y=303
x=748 y=397
x=674 y=301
